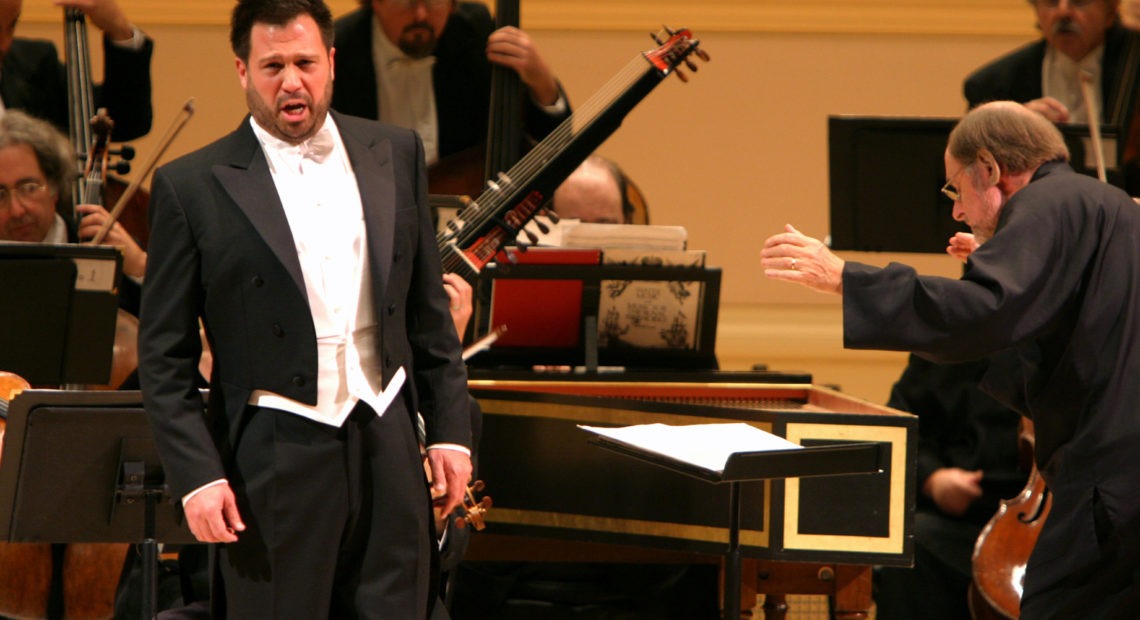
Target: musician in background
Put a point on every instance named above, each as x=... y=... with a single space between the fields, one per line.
x=968 y=462
x=36 y=169
x=33 y=79
x=1077 y=35
x=594 y=193
x=426 y=65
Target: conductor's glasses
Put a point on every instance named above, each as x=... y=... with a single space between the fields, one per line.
x=950 y=190
x=26 y=191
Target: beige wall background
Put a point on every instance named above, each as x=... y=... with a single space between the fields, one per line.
x=732 y=155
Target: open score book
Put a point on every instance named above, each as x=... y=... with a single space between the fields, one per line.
x=707 y=446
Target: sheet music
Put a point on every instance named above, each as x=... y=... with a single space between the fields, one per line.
x=704 y=445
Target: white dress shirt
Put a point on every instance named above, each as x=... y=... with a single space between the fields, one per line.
x=405 y=93
x=322 y=205
x=1061 y=80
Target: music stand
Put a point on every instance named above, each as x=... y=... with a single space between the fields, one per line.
x=904 y=211
x=61 y=303
x=586 y=350
x=828 y=460
x=82 y=467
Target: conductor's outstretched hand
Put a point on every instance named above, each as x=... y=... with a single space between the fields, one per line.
x=796 y=257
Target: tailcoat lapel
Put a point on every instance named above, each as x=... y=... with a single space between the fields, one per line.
x=371 y=160
x=248 y=181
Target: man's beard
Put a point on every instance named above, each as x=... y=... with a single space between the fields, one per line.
x=266 y=116
x=417 y=40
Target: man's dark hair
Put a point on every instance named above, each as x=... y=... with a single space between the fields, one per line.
x=276 y=13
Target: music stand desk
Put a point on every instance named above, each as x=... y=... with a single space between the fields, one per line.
x=828 y=460
x=82 y=467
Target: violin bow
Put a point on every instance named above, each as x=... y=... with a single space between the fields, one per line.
x=176 y=126
x=1086 y=79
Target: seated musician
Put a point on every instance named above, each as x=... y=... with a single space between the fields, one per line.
x=1045 y=75
x=967 y=463
x=426 y=65
x=32 y=77
x=594 y=193
x=36 y=171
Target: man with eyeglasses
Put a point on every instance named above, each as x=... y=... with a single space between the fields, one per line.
x=1077 y=36
x=36 y=170
x=1052 y=295
x=426 y=65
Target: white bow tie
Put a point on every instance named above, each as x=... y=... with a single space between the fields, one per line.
x=319 y=146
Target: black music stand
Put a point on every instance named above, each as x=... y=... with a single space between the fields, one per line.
x=61 y=303
x=82 y=467
x=829 y=460
x=904 y=211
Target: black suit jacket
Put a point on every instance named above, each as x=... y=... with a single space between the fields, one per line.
x=222 y=249
x=33 y=79
x=1017 y=75
x=461 y=77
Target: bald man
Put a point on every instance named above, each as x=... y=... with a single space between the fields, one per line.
x=593 y=194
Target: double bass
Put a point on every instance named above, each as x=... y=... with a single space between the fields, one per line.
x=465 y=173
x=84 y=138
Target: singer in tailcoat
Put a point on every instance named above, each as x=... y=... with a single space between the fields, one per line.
x=227 y=255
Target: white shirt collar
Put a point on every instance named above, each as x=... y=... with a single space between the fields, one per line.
x=285 y=156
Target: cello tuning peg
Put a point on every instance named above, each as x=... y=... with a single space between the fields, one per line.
x=531 y=236
x=681 y=75
x=542 y=227
x=702 y=54
x=477 y=486
x=692 y=67
x=122 y=167
x=551 y=215
x=126 y=151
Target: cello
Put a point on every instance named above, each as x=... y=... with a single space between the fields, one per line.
x=1002 y=550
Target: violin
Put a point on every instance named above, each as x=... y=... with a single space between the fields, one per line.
x=471 y=510
x=1002 y=550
